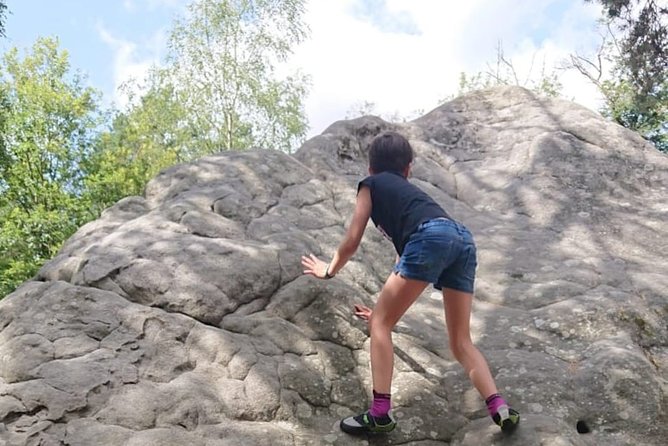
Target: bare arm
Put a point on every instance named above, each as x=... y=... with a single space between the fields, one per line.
x=349 y=244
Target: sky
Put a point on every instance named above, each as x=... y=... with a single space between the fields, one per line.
x=404 y=56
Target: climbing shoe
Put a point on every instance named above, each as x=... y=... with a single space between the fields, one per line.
x=368 y=424
x=506 y=418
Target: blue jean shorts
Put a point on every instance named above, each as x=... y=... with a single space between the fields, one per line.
x=441 y=252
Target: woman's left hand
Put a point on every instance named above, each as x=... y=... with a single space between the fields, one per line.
x=314 y=266
x=363 y=312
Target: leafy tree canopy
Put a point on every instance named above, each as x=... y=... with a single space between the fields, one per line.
x=217 y=90
x=636 y=93
x=503 y=72
x=48 y=121
x=222 y=69
x=644 y=45
x=3 y=17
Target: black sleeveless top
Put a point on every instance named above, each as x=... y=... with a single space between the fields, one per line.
x=398 y=207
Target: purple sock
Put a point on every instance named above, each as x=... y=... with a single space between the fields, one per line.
x=381 y=404
x=494 y=402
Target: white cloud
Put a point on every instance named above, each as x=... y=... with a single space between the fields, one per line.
x=129 y=5
x=406 y=55
x=131 y=60
x=353 y=58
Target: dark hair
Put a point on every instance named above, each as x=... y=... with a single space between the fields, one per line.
x=390 y=151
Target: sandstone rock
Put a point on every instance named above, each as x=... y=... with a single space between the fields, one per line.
x=182 y=317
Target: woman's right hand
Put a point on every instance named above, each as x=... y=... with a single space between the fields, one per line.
x=363 y=312
x=315 y=267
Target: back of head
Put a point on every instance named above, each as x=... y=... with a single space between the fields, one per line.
x=390 y=151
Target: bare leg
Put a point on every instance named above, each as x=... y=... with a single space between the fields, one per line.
x=457 y=317
x=397 y=296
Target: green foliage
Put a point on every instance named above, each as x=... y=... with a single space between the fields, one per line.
x=222 y=68
x=643 y=46
x=504 y=73
x=28 y=238
x=366 y=108
x=636 y=92
x=361 y=108
x=47 y=124
x=646 y=114
x=147 y=138
x=3 y=17
x=216 y=91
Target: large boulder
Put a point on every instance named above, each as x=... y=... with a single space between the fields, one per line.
x=182 y=317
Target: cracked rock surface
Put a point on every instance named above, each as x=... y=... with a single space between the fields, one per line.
x=182 y=317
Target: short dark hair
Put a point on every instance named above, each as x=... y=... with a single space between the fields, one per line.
x=390 y=151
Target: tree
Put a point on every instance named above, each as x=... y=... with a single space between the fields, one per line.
x=365 y=108
x=3 y=17
x=643 y=47
x=503 y=72
x=222 y=64
x=217 y=90
x=150 y=136
x=635 y=45
x=47 y=125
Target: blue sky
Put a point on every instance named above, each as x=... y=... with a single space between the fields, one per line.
x=401 y=55
x=80 y=25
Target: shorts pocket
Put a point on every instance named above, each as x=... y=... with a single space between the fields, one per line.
x=470 y=261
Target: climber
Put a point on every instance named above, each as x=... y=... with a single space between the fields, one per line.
x=432 y=248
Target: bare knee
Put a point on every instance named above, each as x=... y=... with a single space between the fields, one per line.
x=461 y=347
x=379 y=326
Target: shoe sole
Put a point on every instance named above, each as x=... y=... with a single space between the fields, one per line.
x=509 y=425
x=363 y=430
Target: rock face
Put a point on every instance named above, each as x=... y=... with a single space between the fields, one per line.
x=182 y=317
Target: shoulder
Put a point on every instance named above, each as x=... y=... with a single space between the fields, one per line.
x=383 y=180
x=368 y=182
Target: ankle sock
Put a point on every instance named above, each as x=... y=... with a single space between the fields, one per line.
x=381 y=404
x=494 y=402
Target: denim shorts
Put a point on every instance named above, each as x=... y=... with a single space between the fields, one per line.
x=441 y=252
